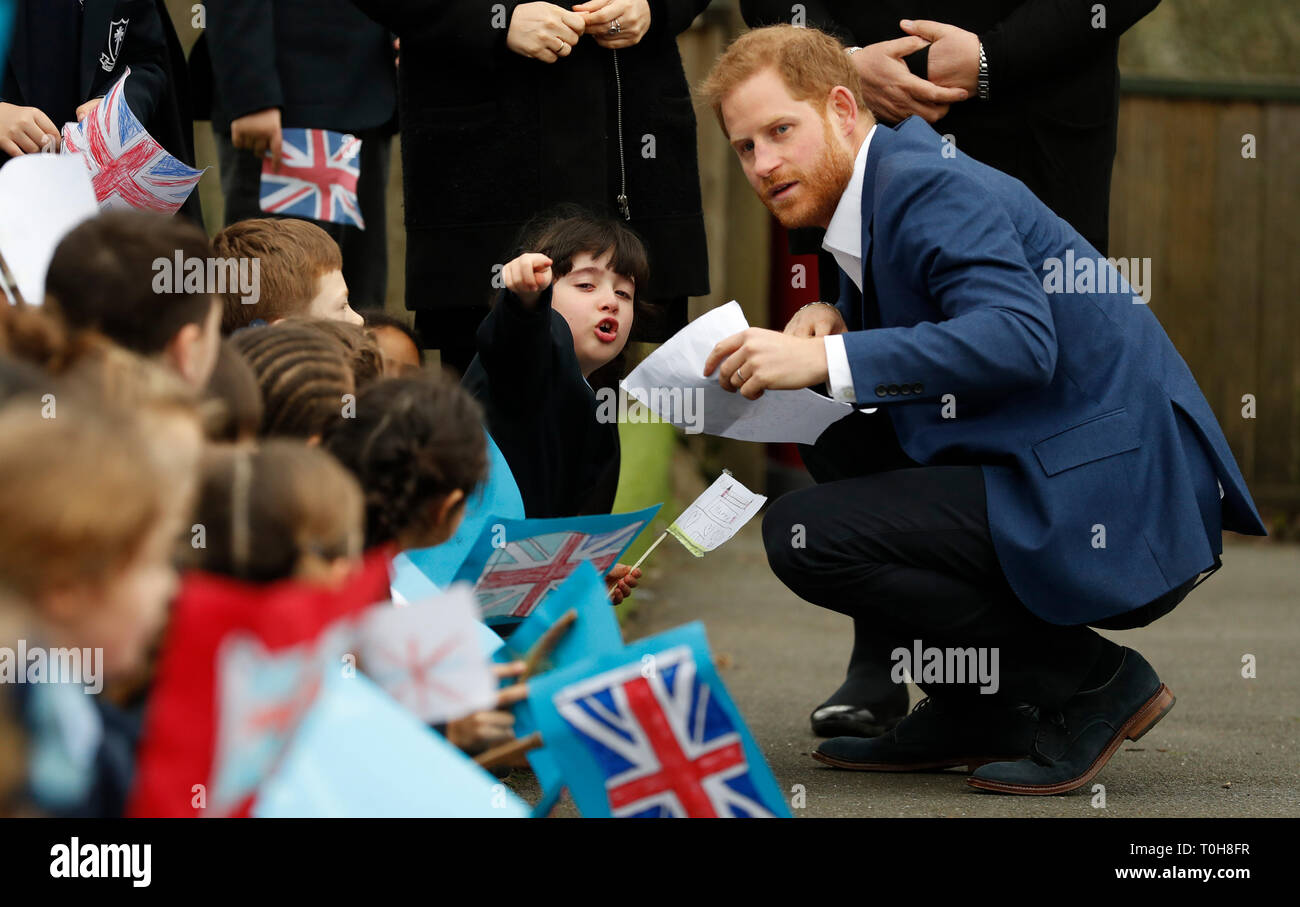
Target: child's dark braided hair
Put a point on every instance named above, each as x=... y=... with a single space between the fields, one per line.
x=412 y=442
x=303 y=374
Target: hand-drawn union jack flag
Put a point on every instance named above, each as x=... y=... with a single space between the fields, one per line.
x=128 y=168
x=664 y=743
x=518 y=575
x=317 y=177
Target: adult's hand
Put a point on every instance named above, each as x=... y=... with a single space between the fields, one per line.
x=757 y=359
x=816 y=320
x=23 y=130
x=954 y=60
x=259 y=133
x=543 y=31
x=632 y=16
x=890 y=89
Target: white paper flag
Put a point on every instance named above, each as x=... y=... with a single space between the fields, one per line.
x=675 y=372
x=42 y=197
x=716 y=515
x=428 y=655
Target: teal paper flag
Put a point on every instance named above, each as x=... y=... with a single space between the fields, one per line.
x=358 y=754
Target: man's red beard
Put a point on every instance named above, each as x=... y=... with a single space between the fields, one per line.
x=819 y=189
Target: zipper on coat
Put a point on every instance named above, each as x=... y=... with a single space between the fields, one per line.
x=622 y=170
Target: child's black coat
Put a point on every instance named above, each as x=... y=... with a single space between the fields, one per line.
x=542 y=412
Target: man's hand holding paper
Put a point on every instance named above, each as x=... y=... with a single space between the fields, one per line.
x=757 y=359
x=783 y=364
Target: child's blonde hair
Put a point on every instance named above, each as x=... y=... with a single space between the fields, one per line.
x=265 y=512
x=80 y=493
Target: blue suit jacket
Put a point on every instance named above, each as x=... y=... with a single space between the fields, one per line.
x=1068 y=401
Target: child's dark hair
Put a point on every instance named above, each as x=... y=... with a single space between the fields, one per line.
x=303 y=374
x=413 y=441
x=378 y=318
x=363 y=354
x=102 y=277
x=232 y=401
x=264 y=509
x=567 y=230
x=564 y=232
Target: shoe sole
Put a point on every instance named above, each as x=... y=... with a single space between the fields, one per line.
x=1141 y=721
x=970 y=763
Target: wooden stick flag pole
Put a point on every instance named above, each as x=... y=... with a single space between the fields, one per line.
x=541 y=649
x=10 y=285
x=507 y=751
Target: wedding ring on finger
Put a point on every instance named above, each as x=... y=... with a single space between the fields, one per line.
x=615 y=28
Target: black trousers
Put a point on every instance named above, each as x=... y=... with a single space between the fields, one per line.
x=365 y=252
x=905 y=551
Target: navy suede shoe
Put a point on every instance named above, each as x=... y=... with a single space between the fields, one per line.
x=938 y=734
x=1070 y=749
x=859 y=720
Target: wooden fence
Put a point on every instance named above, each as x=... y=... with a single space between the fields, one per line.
x=1207 y=185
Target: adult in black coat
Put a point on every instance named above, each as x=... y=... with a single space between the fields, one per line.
x=65 y=54
x=492 y=136
x=1053 y=100
x=317 y=64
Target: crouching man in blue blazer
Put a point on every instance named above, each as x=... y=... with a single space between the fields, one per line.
x=1041 y=460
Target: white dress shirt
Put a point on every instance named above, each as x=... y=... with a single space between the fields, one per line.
x=844 y=241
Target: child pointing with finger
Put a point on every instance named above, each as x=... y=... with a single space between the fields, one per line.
x=565 y=312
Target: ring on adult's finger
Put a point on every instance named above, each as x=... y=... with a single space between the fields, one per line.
x=615 y=28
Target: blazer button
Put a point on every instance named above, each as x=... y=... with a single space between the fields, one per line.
x=918 y=388
x=880 y=390
x=893 y=390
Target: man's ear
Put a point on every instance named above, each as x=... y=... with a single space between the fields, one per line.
x=842 y=105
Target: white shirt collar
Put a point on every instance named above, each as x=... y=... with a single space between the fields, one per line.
x=844 y=234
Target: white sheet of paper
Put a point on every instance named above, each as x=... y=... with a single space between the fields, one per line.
x=676 y=369
x=716 y=515
x=42 y=197
x=428 y=655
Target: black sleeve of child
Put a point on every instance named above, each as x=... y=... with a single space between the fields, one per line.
x=145 y=51
x=241 y=41
x=517 y=349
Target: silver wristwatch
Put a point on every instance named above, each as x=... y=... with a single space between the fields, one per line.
x=984 y=75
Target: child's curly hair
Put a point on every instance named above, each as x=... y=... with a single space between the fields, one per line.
x=303 y=373
x=413 y=441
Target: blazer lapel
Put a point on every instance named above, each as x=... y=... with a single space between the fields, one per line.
x=95 y=19
x=883 y=143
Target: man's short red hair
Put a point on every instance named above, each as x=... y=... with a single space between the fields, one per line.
x=810 y=62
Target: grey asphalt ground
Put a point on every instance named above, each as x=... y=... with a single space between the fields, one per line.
x=1230 y=747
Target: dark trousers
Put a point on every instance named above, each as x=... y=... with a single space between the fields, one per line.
x=905 y=551
x=365 y=252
